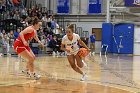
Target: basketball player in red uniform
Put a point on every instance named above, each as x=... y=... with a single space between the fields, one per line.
x=22 y=48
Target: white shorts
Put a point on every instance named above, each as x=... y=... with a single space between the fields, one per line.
x=73 y=52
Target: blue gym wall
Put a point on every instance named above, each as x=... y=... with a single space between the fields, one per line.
x=118 y=32
x=107 y=35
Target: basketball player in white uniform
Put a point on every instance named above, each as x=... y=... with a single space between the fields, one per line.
x=70 y=45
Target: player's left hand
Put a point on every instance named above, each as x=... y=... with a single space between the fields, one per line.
x=42 y=45
x=88 y=50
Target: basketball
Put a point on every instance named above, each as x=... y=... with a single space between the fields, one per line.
x=83 y=52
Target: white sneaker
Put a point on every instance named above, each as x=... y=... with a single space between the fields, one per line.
x=54 y=53
x=93 y=53
x=35 y=76
x=90 y=54
x=84 y=77
x=27 y=73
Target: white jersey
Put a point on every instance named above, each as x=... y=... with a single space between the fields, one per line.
x=72 y=45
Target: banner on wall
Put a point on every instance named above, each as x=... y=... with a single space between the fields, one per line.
x=132 y=3
x=94 y=6
x=63 y=6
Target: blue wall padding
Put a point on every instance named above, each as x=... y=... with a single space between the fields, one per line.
x=121 y=31
x=107 y=35
x=124 y=32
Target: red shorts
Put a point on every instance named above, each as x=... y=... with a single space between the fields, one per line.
x=20 y=47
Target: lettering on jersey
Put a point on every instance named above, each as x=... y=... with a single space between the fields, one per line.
x=72 y=44
x=69 y=44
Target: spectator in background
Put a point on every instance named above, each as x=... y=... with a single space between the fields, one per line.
x=44 y=21
x=85 y=40
x=56 y=28
x=29 y=11
x=60 y=30
x=43 y=40
x=23 y=12
x=16 y=33
x=16 y=15
x=10 y=5
x=92 y=42
x=53 y=23
x=41 y=32
x=4 y=44
x=0 y=39
x=49 y=21
x=3 y=33
x=1 y=43
x=11 y=38
x=15 y=2
x=24 y=23
x=53 y=45
x=2 y=7
x=59 y=40
x=1 y=2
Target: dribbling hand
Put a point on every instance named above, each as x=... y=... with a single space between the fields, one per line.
x=89 y=50
x=67 y=50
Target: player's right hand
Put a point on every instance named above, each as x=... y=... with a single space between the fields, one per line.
x=67 y=50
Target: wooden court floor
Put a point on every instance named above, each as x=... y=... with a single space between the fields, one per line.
x=106 y=74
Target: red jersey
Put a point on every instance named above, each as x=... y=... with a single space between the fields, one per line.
x=27 y=36
x=18 y=44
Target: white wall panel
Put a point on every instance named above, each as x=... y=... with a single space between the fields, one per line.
x=137 y=41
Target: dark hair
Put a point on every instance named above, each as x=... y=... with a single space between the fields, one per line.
x=71 y=26
x=35 y=21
